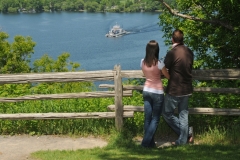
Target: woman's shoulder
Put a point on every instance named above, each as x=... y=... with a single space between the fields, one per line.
x=160 y=61
x=160 y=64
x=141 y=62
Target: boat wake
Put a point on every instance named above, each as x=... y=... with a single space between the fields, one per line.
x=144 y=29
x=118 y=31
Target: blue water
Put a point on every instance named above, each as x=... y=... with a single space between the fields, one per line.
x=83 y=36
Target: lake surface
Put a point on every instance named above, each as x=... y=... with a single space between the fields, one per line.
x=83 y=36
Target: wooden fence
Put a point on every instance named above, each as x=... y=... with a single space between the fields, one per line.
x=119 y=91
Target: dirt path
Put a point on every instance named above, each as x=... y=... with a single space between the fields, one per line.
x=20 y=147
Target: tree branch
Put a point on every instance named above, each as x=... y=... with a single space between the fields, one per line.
x=177 y=13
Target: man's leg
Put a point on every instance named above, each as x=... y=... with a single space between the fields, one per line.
x=180 y=124
x=170 y=103
x=183 y=120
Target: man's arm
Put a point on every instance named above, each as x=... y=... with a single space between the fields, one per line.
x=168 y=60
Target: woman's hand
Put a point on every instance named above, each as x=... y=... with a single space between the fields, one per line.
x=165 y=72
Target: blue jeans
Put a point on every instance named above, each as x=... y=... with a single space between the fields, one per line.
x=178 y=124
x=152 y=111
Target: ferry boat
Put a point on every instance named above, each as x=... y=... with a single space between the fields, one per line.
x=116 y=31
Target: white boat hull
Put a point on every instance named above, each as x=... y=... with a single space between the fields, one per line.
x=116 y=31
x=115 y=35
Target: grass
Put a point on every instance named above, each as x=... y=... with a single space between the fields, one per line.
x=195 y=152
x=216 y=144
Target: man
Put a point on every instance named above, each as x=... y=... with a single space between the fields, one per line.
x=179 y=62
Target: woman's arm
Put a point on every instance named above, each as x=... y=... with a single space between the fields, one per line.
x=165 y=72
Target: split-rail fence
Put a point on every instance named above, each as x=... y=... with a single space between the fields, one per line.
x=117 y=90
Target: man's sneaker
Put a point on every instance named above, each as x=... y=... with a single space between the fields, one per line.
x=190 y=135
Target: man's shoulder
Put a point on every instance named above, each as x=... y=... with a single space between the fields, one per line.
x=184 y=47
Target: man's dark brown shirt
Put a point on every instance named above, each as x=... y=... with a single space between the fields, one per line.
x=179 y=62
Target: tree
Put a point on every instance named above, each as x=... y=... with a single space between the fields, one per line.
x=12 y=10
x=68 y=5
x=4 y=6
x=91 y=6
x=79 y=4
x=47 y=64
x=14 y=58
x=151 y=6
x=211 y=29
x=57 y=6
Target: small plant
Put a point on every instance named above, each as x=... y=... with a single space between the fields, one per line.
x=122 y=139
x=220 y=136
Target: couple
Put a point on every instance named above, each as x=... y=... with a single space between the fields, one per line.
x=177 y=68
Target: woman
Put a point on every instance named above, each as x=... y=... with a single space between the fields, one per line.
x=153 y=92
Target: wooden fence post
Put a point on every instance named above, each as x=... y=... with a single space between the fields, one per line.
x=118 y=98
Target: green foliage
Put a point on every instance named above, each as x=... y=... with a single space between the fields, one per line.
x=16 y=56
x=12 y=6
x=220 y=135
x=152 y=6
x=47 y=64
x=214 y=36
x=122 y=139
x=91 y=6
x=211 y=30
x=12 y=10
x=70 y=126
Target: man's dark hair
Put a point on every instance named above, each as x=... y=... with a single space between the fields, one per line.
x=177 y=36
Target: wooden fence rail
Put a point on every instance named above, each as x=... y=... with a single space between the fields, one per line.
x=198 y=89
x=31 y=116
x=119 y=91
x=97 y=94
x=206 y=111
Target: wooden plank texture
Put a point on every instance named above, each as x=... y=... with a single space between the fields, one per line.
x=118 y=98
x=101 y=75
x=98 y=94
x=57 y=77
x=196 y=89
x=217 y=90
x=216 y=74
x=115 y=75
x=32 y=116
x=206 y=111
x=206 y=74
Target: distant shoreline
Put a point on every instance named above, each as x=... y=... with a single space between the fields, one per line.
x=31 y=12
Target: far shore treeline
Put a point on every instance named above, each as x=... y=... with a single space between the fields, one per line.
x=33 y=6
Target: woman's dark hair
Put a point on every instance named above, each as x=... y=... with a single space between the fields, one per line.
x=177 y=36
x=152 y=53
